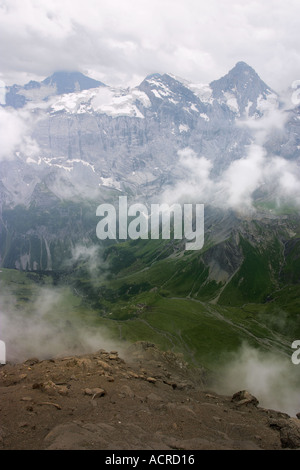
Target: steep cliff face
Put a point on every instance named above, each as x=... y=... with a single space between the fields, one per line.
x=89 y=142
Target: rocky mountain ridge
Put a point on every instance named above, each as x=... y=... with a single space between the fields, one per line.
x=128 y=139
x=87 y=143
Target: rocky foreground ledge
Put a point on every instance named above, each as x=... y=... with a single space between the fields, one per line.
x=152 y=401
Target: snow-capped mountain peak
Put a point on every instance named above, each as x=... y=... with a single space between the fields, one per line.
x=58 y=83
x=243 y=91
x=70 y=82
x=130 y=138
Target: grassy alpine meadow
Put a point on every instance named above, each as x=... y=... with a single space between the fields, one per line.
x=154 y=290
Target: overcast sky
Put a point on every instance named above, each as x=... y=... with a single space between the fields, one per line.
x=122 y=41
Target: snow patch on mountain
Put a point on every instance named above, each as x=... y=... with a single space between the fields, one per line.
x=202 y=91
x=183 y=128
x=60 y=162
x=163 y=89
x=267 y=103
x=231 y=102
x=194 y=108
x=156 y=94
x=205 y=117
x=110 y=101
x=110 y=183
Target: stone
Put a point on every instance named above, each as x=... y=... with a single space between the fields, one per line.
x=113 y=357
x=104 y=365
x=289 y=431
x=94 y=392
x=63 y=390
x=27 y=399
x=85 y=363
x=56 y=405
x=51 y=388
x=133 y=374
x=151 y=380
x=32 y=361
x=244 y=398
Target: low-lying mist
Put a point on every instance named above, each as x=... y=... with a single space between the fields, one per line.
x=47 y=327
x=272 y=378
x=235 y=188
x=257 y=169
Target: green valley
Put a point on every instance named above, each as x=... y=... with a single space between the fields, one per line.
x=242 y=288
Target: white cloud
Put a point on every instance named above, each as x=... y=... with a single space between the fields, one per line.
x=242 y=178
x=15 y=130
x=119 y=41
x=270 y=377
x=236 y=185
x=47 y=327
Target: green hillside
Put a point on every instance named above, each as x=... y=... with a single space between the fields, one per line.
x=243 y=288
